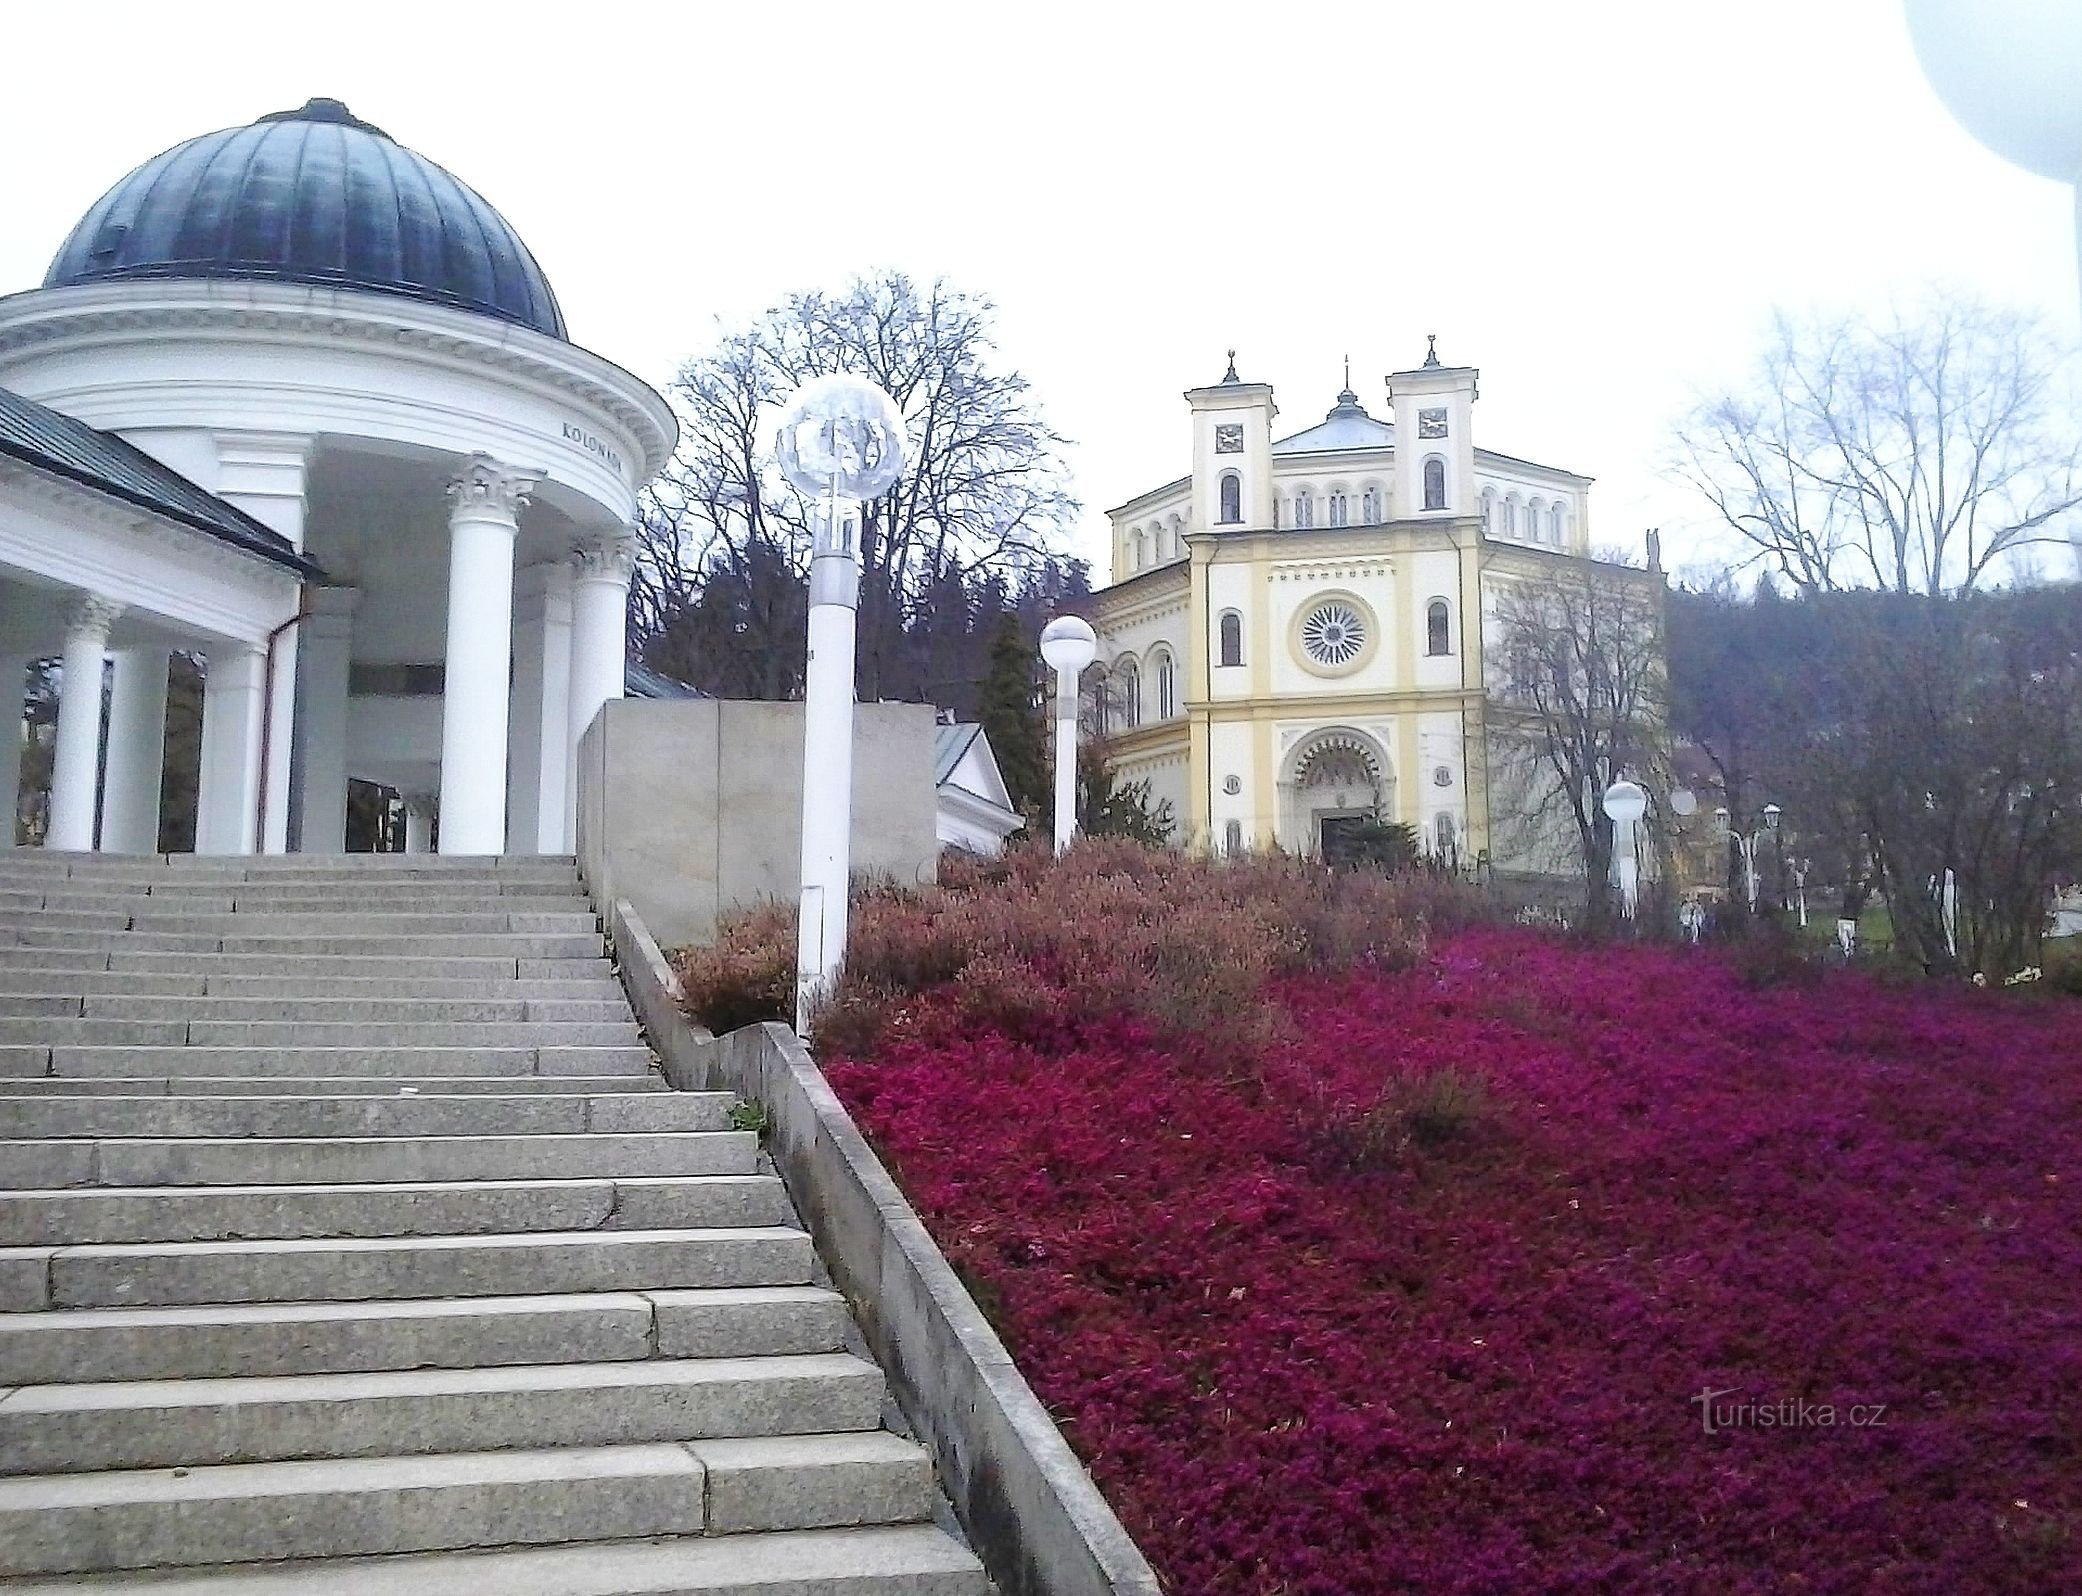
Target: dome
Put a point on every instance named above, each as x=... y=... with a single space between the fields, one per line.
x=310 y=196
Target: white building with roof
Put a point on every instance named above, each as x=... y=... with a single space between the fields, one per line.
x=295 y=400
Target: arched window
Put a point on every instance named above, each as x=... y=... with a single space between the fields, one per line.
x=1434 y=484
x=1489 y=510
x=1370 y=507
x=1304 y=509
x=1232 y=638
x=1232 y=497
x=1167 y=688
x=1511 y=516
x=1561 y=524
x=1443 y=835
x=1535 y=521
x=1232 y=837
x=1130 y=695
x=1438 y=628
x=1340 y=514
x=1137 y=555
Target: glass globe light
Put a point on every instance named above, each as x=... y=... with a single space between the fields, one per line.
x=1626 y=801
x=1068 y=643
x=841 y=434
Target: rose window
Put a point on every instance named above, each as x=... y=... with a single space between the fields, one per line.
x=1333 y=633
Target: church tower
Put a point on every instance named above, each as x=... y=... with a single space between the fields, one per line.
x=1232 y=454
x=1434 y=439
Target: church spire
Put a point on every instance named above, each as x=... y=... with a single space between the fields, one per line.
x=1230 y=374
x=1431 y=353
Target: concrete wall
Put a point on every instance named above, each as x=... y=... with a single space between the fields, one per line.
x=691 y=807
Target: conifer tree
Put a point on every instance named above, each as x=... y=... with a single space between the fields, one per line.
x=1011 y=718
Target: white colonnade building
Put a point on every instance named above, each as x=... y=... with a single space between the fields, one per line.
x=294 y=399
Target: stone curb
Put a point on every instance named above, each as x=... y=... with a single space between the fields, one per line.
x=1029 y=1508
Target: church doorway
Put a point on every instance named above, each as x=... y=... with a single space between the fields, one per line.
x=1339 y=838
x=1336 y=780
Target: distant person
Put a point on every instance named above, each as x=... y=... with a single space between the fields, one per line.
x=1691 y=919
x=1854 y=896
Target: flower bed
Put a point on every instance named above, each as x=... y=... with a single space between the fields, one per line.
x=1419 y=1289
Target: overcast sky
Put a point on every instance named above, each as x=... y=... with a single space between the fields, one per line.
x=1597 y=204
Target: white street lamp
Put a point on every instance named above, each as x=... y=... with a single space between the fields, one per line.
x=1625 y=803
x=841 y=440
x=1068 y=644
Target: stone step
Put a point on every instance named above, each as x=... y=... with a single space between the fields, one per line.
x=256 y=1513
x=17 y=903
x=601 y=988
x=100 y=1117
x=413 y=950
x=324 y=967
x=192 y=1062
x=59 y=1031
x=317 y=1085
x=331 y=1008
x=69 y=1346
x=89 y=1215
x=381 y=1033
x=84 y=982
x=138 y=1424
x=349 y=1269
x=904 y=1560
x=267 y=923
x=175 y=891
x=246 y=1161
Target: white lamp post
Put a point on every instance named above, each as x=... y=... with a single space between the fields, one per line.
x=1625 y=803
x=1068 y=644
x=841 y=440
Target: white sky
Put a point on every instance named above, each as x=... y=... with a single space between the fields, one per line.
x=1596 y=204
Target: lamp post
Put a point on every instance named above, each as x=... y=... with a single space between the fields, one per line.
x=1068 y=644
x=841 y=440
x=1745 y=847
x=1625 y=803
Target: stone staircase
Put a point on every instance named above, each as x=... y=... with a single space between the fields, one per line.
x=350 y=1243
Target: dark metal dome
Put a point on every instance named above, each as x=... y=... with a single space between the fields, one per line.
x=310 y=196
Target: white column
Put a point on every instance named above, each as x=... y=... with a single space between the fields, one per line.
x=419 y=822
x=278 y=741
x=536 y=775
x=136 y=751
x=327 y=653
x=601 y=568
x=13 y=668
x=76 y=767
x=228 y=788
x=482 y=525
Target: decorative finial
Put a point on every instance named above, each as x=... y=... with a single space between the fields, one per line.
x=1431 y=354
x=1346 y=399
x=1230 y=374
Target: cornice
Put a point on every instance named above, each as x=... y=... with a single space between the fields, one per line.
x=120 y=312
x=79 y=502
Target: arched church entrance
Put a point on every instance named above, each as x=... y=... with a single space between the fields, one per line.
x=1335 y=782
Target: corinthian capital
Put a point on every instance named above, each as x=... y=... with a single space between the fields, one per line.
x=487 y=485
x=92 y=615
x=605 y=559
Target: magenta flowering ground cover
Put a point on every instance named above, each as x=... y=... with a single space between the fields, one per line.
x=1306 y=1362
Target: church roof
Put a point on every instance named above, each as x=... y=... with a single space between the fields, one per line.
x=54 y=442
x=1347 y=426
x=314 y=195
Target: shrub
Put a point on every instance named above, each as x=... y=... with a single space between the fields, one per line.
x=1029 y=941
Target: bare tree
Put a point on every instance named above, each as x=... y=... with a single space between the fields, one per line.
x=1925 y=451
x=985 y=487
x=1579 y=699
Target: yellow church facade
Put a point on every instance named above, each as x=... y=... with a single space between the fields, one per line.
x=1293 y=641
